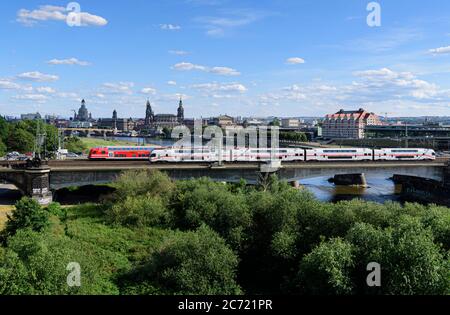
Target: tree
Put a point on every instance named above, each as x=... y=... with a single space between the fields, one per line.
x=27 y=214
x=4 y=129
x=3 y=148
x=139 y=212
x=139 y=183
x=202 y=201
x=74 y=144
x=327 y=269
x=411 y=262
x=190 y=263
x=275 y=123
x=20 y=140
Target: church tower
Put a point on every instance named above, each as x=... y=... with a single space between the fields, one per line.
x=114 y=119
x=180 y=115
x=149 y=115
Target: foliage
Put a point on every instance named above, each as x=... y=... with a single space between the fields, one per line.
x=27 y=214
x=74 y=144
x=20 y=140
x=326 y=270
x=154 y=236
x=3 y=148
x=139 y=212
x=136 y=183
x=196 y=262
x=293 y=136
x=199 y=202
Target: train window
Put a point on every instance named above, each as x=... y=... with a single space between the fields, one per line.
x=103 y=152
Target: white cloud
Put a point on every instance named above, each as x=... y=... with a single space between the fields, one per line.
x=46 y=89
x=295 y=61
x=178 y=52
x=440 y=50
x=69 y=95
x=38 y=77
x=70 y=61
x=170 y=27
x=225 y=87
x=32 y=97
x=173 y=83
x=225 y=71
x=148 y=91
x=118 y=88
x=218 y=26
x=56 y=13
x=6 y=84
x=187 y=66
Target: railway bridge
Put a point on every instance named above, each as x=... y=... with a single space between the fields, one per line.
x=39 y=182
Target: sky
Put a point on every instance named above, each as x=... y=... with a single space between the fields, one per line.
x=285 y=58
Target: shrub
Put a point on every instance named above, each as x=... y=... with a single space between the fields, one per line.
x=139 y=212
x=27 y=214
x=190 y=263
x=327 y=269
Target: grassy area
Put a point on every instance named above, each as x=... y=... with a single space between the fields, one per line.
x=94 y=142
x=4 y=210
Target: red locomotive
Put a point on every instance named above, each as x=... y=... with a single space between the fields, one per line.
x=121 y=153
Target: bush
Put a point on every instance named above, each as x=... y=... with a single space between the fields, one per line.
x=55 y=209
x=191 y=263
x=327 y=269
x=202 y=201
x=139 y=212
x=137 y=183
x=27 y=214
x=411 y=263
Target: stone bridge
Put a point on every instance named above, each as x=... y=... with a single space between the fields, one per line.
x=39 y=182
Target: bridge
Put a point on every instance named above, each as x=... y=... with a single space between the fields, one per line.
x=39 y=182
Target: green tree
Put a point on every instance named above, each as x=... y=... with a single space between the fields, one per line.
x=20 y=140
x=198 y=202
x=411 y=262
x=27 y=214
x=3 y=148
x=74 y=144
x=327 y=269
x=191 y=263
x=139 y=183
x=4 y=129
x=139 y=212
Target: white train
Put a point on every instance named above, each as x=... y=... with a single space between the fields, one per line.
x=174 y=155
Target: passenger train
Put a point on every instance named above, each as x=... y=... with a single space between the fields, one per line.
x=174 y=155
x=121 y=153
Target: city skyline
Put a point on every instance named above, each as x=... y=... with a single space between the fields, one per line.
x=270 y=58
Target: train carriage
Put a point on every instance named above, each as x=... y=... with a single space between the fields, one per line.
x=398 y=154
x=121 y=153
x=339 y=154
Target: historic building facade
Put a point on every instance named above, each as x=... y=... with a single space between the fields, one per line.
x=348 y=124
x=160 y=121
x=83 y=114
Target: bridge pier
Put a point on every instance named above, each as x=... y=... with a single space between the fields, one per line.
x=38 y=184
x=446 y=174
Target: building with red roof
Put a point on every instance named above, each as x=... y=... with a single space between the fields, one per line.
x=348 y=124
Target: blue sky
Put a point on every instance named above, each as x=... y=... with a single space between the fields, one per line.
x=247 y=57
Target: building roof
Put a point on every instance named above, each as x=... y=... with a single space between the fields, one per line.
x=357 y=114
